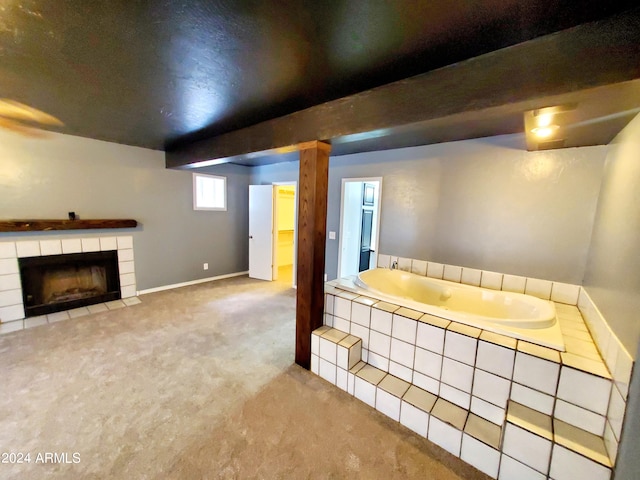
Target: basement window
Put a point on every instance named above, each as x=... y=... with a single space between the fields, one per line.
x=209 y=192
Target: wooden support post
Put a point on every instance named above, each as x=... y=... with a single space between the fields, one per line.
x=312 y=226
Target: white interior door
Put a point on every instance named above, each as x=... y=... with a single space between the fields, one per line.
x=261 y=232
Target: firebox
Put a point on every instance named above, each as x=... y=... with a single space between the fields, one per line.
x=61 y=282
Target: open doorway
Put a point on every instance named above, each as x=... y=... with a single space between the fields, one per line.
x=359 y=225
x=284 y=241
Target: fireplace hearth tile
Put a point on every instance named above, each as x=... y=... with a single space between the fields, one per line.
x=11 y=326
x=35 y=321
x=58 y=316
x=129 y=302
x=79 y=312
x=98 y=308
x=115 y=304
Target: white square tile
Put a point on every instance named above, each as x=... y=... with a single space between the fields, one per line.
x=491 y=280
x=10 y=297
x=379 y=343
x=460 y=347
x=383 y=261
x=342 y=357
x=341 y=379
x=611 y=443
x=492 y=388
x=35 y=321
x=90 y=244
x=513 y=283
x=108 y=243
x=315 y=363
x=365 y=391
x=126 y=267
x=128 y=291
x=379 y=361
x=428 y=363
x=360 y=314
x=458 y=397
x=495 y=359
x=532 y=398
x=351 y=379
x=404 y=264
x=622 y=372
x=511 y=469
x=579 y=417
x=342 y=308
x=11 y=313
x=457 y=374
x=402 y=352
x=8 y=250
x=9 y=266
x=487 y=411
x=9 y=327
x=445 y=436
x=565 y=293
x=10 y=282
x=538 y=288
x=584 y=389
x=365 y=355
x=328 y=298
x=71 y=245
x=327 y=371
x=426 y=383
x=125 y=242
x=452 y=273
x=127 y=279
x=50 y=247
x=98 y=308
x=362 y=333
x=404 y=329
x=479 y=455
x=536 y=373
x=328 y=350
x=129 y=302
x=414 y=419
x=341 y=324
x=471 y=276
x=28 y=248
x=388 y=404
x=435 y=270
x=419 y=267
x=430 y=337
x=328 y=320
x=615 y=412
x=526 y=447
x=400 y=371
x=125 y=255
x=568 y=465
x=381 y=321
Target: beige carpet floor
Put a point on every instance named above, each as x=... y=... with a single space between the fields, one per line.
x=193 y=383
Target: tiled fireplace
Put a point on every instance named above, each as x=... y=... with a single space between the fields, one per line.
x=93 y=261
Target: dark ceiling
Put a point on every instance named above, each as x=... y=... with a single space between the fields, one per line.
x=163 y=74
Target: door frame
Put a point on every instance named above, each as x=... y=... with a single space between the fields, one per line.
x=295 y=232
x=378 y=213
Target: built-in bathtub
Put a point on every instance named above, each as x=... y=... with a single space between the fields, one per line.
x=511 y=314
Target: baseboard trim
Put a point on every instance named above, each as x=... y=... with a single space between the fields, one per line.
x=192 y=282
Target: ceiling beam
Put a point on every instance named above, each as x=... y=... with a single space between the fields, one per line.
x=587 y=56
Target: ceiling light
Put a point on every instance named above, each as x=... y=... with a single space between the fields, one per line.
x=544 y=132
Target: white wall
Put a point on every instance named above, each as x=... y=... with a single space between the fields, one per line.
x=47 y=178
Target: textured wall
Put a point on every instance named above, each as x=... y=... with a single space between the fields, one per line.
x=48 y=178
x=483 y=203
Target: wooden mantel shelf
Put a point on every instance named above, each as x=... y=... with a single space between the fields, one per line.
x=46 y=225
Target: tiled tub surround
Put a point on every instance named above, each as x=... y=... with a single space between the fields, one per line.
x=510 y=408
x=11 y=303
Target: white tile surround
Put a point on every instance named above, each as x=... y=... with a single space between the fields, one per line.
x=558 y=414
x=11 y=304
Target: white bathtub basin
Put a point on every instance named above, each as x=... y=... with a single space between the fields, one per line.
x=513 y=314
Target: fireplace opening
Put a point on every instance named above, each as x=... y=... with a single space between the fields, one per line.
x=61 y=282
